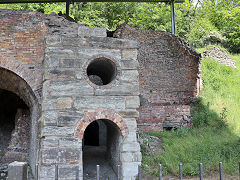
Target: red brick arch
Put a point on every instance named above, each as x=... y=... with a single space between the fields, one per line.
x=92 y=115
x=32 y=78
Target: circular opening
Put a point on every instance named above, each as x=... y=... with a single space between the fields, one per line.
x=101 y=71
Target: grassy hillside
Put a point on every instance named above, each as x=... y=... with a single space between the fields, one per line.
x=215 y=134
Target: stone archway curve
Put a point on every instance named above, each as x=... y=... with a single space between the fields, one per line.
x=11 y=81
x=92 y=115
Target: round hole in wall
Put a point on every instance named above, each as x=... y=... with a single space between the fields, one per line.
x=101 y=71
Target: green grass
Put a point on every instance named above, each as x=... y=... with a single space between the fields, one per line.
x=215 y=135
x=222 y=91
x=206 y=145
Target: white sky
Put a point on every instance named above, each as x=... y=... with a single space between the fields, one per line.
x=195 y=2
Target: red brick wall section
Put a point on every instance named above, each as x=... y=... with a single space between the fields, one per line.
x=168 y=77
x=154 y=118
x=22 y=35
x=92 y=115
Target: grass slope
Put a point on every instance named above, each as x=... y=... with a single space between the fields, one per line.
x=215 y=134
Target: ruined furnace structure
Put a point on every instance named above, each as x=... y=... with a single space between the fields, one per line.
x=65 y=87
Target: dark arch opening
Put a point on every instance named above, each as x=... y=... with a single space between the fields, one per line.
x=91 y=134
x=106 y=153
x=101 y=71
x=19 y=150
x=15 y=127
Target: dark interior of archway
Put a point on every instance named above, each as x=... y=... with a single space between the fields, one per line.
x=101 y=140
x=91 y=134
x=101 y=71
x=9 y=104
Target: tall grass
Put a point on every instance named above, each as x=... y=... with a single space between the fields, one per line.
x=215 y=135
x=222 y=91
x=206 y=145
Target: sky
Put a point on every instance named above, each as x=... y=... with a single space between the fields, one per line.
x=195 y=2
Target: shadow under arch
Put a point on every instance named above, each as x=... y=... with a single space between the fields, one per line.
x=14 y=84
x=101 y=146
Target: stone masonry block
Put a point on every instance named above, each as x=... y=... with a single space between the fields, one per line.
x=49 y=104
x=59 y=73
x=131 y=124
x=132 y=102
x=70 y=155
x=64 y=103
x=131 y=157
x=73 y=41
x=130 y=147
x=53 y=40
x=45 y=88
x=108 y=42
x=85 y=31
x=69 y=172
x=130 y=137
x=129 y=76
x=129 y=64
x=57 y=131
x=129 y=113
x=60 y=52
x=122 y=89
x=51 y=61
x=69 y=87
x=49 y=156
x=71 y=63
x=89 y=52
x=50 y=117
x=49 y=142
x=130 y=170
x=66 y=120
x=68 y=117
x=70 y=142
x=61 y=155
x=129 y=54
x=47 y=172
x=17 y=171
x=97 y=102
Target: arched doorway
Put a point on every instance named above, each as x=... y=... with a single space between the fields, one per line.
x=91 y=134
x=102 y=139
x=19 y=111
x=15 y=127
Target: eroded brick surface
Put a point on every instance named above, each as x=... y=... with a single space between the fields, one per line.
x=169 y=77
x=22 y=36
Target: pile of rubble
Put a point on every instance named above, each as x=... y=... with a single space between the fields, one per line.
x=220 y=55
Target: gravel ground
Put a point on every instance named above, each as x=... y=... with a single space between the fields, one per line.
x=95 y=155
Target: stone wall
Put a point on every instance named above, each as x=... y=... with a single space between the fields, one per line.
x=168 y=77
x=72 y=100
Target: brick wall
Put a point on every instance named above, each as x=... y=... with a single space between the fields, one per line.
x=22 y=45
x=22 y=35
x=168 y=77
